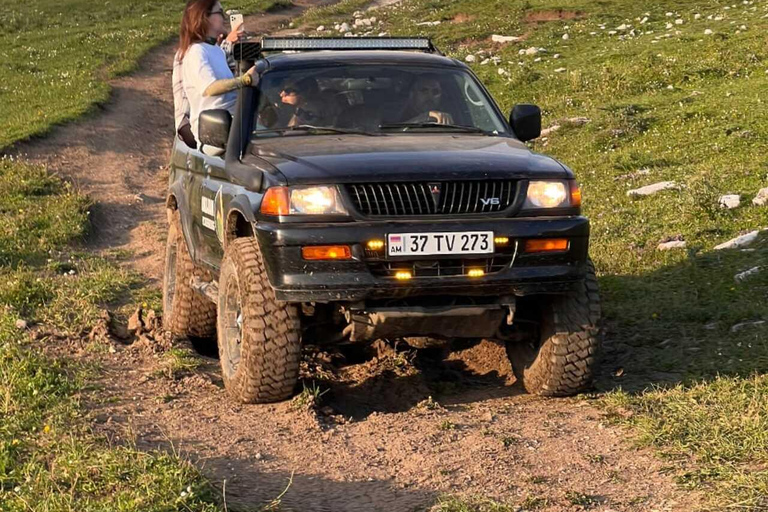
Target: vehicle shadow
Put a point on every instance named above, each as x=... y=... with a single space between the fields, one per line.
x=246 y=483
x=688 y=321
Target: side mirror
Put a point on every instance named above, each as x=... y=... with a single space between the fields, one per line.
x=525 y=120
x=213 y=127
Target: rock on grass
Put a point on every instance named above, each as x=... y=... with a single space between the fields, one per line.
x=652 y=189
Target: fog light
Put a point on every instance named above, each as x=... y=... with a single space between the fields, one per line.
x=375 y=245
x=546 y=245
x=476 y=272
x=501 y=240
x=403 y=275
x=326 y=252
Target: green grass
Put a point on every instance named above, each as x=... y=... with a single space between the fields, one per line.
x=57 y=55
x=674 y=104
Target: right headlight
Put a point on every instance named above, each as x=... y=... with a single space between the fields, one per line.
x=312 y=200
x=553 y=194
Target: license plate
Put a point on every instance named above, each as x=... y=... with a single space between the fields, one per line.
x=427 y=244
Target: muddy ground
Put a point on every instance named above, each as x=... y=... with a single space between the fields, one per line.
x=393 y=430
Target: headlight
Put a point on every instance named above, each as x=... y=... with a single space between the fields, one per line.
x=302 y=201
x=552 y=194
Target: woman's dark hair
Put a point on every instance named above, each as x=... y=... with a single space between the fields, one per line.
x=194 y=24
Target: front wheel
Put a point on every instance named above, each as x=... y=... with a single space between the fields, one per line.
x=259 y=336
x=563 y=358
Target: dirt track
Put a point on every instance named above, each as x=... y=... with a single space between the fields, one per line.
x=378 y=441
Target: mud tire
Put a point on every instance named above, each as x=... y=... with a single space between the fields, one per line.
x=562 y=362
x=185 y=312
x=264 y=366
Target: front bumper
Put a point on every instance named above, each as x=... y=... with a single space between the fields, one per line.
x=297 y=280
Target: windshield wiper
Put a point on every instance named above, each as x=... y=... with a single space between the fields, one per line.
x=313 y=128
x=457 y=127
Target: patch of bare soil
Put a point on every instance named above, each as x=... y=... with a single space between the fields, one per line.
x=387 y=429
x=552 y=15
x=463 y=18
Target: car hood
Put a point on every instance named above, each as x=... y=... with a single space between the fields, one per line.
x=317 y=159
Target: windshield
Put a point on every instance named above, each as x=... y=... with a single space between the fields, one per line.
x=373 y=100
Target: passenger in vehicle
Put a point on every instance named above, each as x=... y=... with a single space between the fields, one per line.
x=299 y=103
x=203 y=63
x=425 y=102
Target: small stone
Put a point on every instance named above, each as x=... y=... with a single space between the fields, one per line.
x=135 y=324
x=679 y=21
x=761 y=199
x=344 y=27
x=612 y=32
x=485 y=61
x=487 y=416
x=730 y=201
x=711 y=326
x=258 y=456
x=743 y=27
x=739 y=241
x=708 y=32
x=622 y=27
x=320 y=28
x=697 y=16
x=496 y=38
x=566 y=37
x=644 y=20
x=668 y=26
x=22 y=325
x=741 y=276
x=556 y=56
x=470 y=58
x=672 y=244
x=560 y=70
x=652 y=189
x=669 y=14
x=531 y=51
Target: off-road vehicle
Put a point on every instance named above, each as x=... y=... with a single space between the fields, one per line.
x=371 y=188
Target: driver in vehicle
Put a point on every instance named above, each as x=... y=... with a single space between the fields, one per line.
x=424 y=102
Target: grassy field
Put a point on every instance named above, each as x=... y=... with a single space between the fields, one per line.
x=55 y=56
x=673 y=91
x=54 y=63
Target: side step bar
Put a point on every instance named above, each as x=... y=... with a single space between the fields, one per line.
x=209 y=290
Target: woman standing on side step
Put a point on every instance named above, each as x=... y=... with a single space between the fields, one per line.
x=202 y=63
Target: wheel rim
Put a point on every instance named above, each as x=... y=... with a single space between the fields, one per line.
x=170 y=279
x=232 y=333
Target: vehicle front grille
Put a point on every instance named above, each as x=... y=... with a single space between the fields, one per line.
x=439 y=268
x=427 y=198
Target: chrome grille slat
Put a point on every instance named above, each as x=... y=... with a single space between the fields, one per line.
x=409 y=199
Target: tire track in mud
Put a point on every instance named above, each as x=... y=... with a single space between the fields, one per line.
x=377 y=441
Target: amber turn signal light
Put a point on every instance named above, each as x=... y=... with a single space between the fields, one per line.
x=276 y=202
x=546 y=245
x=575 y=194
x=326 y=252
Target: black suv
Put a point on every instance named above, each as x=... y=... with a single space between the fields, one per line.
x=375 y=190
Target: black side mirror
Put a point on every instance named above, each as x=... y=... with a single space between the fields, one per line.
x=525 y=120
x=213 y=127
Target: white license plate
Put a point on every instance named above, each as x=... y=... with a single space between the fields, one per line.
x=426 y=244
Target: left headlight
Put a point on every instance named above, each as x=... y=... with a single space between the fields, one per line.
x=553 y=194
x=315 y=200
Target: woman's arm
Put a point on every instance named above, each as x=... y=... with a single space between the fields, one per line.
x=230 y=84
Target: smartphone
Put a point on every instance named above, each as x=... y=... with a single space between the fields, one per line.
x=235 y=20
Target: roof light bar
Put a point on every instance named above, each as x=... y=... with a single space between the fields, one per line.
x=345 y=43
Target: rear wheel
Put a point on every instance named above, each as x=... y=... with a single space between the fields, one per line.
x=185 y=312
x=563 y=358
x=259 y=336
